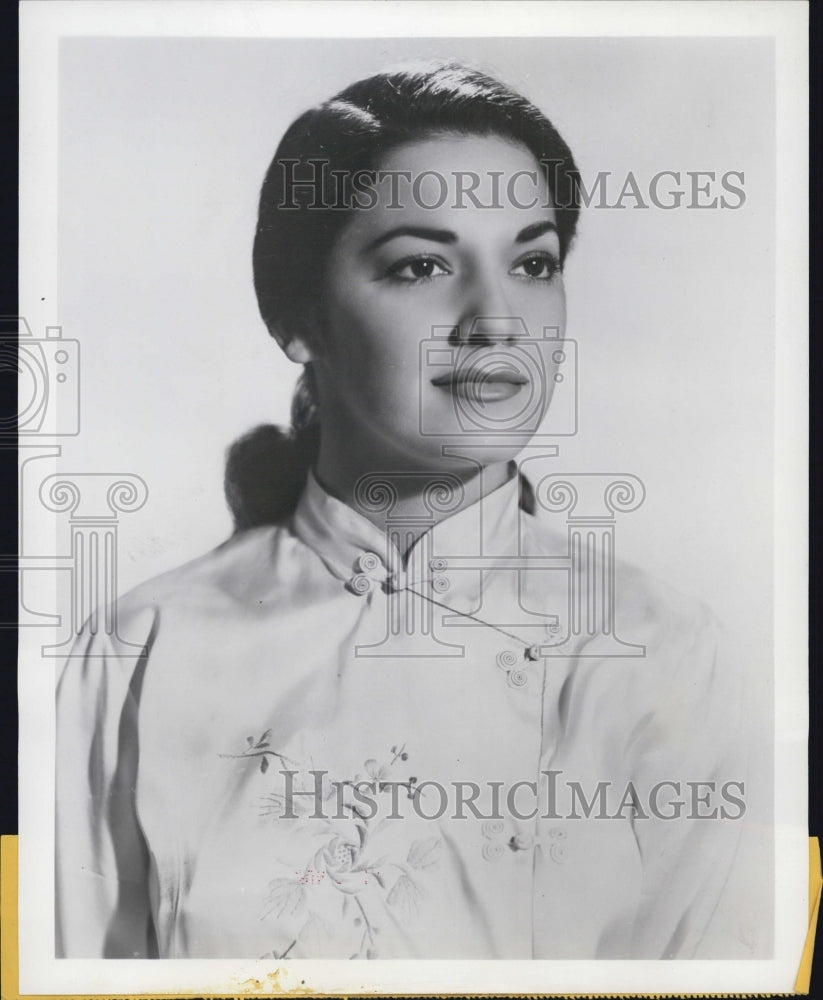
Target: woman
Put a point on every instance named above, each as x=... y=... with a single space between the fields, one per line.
x=370 y=724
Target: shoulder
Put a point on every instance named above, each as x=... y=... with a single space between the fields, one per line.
x=244 y=567
x=109 y=654
x=639 y=607
x=652 y=661
x=658 y=613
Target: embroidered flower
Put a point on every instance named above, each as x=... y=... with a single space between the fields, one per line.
x=347 y=860
x=339 y=856
x=340 y=859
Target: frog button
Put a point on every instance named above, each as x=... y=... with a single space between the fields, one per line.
x=493 y=850
x=507 y=659
x=518 y=678
x=395 y=582
x=360 y=584
x=557 y=845
x=521 y=842
x=492 y=828
x=368 y=562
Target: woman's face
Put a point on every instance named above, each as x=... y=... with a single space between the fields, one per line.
x=441 y=325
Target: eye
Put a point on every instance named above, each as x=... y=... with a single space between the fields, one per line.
x=421 y=268
x=538 y=265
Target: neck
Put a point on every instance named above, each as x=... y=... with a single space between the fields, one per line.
x=406 y=487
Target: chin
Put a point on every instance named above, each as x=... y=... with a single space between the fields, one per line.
x=458 y=452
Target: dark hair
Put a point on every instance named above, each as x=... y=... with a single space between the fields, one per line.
x=266 y=468
x=347 y=135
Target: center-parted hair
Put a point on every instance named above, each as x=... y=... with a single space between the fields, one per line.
x=306 y=201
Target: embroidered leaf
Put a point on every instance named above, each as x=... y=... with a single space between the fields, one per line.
x=375 y=770
x=266 y=735
x=250 y=741
x=285 y=898
x=424 y=853
x=296 y=805
x=404 y=897
x=273 y=805
x=264 y=764
x=314 y=935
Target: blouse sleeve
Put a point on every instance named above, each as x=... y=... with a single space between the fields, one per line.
x=694 y=738
x=102 y=899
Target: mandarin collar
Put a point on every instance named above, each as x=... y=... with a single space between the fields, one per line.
x=359 y=553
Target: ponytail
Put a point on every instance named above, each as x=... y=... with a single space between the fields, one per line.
x=266 y=469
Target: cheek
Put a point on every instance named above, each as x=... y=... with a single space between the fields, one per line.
x=561 y=311
x=368 y=335
x=544 y=308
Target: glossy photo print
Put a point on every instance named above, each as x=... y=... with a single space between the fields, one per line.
x=401 y=487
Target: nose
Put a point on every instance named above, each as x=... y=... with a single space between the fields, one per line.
x=486 y=315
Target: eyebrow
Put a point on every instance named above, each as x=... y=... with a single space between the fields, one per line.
x=533 y=231
x=447 y=236
x=422 y=232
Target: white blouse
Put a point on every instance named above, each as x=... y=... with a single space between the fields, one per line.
x=297 y=747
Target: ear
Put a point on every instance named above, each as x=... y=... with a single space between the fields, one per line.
x=298 y=350
x=296 y=339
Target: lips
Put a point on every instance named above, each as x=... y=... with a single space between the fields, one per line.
x=482 y=385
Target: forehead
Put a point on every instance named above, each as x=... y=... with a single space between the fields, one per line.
x=450 y=152
x=463 y=183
